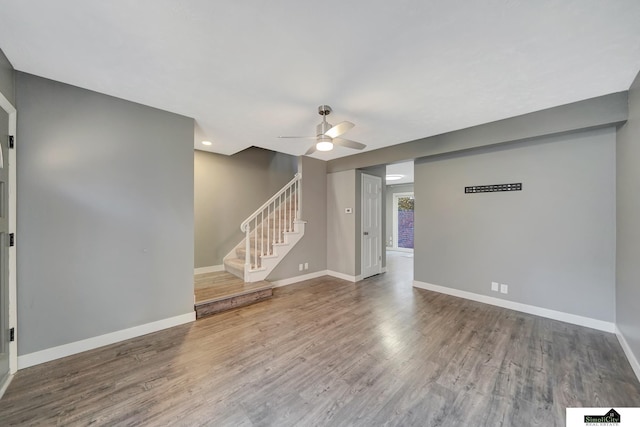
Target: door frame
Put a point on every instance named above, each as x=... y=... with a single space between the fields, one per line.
x=379 y=213
x=394 y=231
x=10 y=162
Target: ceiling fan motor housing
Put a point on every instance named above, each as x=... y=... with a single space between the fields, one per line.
x=324 y=111
x=323 y=127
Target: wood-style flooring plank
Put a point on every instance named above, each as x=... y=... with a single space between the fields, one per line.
x=218 y=285
x=328 y=352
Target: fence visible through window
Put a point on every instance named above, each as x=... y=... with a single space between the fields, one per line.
x=405 y=208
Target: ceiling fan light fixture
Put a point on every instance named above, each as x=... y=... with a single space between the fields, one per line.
x=324 y=145
x=394 y=177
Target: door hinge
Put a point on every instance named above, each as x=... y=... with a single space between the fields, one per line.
x=12 y=239
x=12 y=334
x=11 y=141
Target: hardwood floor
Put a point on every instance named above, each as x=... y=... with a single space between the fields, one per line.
x=330 y=352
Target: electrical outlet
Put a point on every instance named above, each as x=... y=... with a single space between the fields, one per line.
x=300 y=267
x=504 y=289
x=306 y=265
x=495 y=286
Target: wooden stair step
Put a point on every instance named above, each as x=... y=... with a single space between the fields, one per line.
x=228 y=292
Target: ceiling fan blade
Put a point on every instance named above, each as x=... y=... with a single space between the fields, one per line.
x=348 y=143
x=339 y=129
x=311 y=150
x=299 y=137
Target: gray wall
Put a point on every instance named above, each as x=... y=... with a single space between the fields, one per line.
x=341 y=227
x=312 y=248
x=604 y=111
x=391 y=190
x=105 y=214
x=628 y=216
x=7 y=86
x=343 y=230
x=227 y=190
x=553 y=243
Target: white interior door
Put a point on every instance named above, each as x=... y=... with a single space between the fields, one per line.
x=371 y=246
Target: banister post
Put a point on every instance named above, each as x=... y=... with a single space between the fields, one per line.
x=247 y=256
x=298 y=197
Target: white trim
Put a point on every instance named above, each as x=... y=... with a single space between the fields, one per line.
x=633 y=361
x=11 y=162
x=4 y=386
x=64 y=350
x=210 y=269
x=344 y=276
x=296 y=279
x=409 y=250
x=525 y=308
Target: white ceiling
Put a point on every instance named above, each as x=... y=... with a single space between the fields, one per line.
x=251 y=70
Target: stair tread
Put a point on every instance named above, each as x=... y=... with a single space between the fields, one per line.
x=235 y=263
x=224 y=285
x=226 y=292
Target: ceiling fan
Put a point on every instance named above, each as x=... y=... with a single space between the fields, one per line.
x=327 y=134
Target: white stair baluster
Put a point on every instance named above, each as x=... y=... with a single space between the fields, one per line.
x=280 y=216
x=247 y=256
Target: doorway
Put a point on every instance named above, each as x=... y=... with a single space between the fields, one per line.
x=403 y=219
x=399 y=237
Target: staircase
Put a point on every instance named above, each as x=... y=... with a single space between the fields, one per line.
x=270 y=233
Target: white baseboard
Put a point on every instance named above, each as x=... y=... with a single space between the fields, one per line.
x=292 y=280
x=525 y=308
x=296 y=279
x=406 y=250
x=633 y=361
x=210 y=269
x=343 y=276
x=64 y=350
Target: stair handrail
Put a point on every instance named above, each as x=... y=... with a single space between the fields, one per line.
x=284 y=221
x=258 y=211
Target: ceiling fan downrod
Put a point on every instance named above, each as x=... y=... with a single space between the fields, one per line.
x=324 y=111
